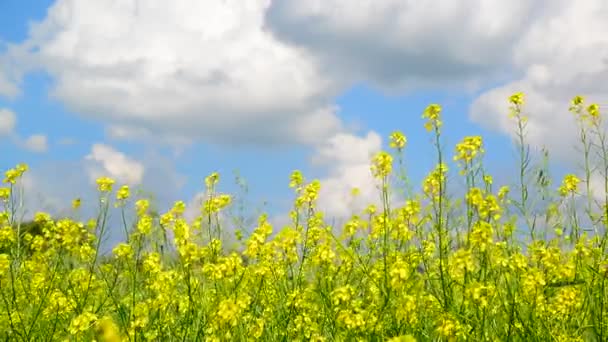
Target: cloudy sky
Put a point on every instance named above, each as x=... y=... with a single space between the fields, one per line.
x=161 y=93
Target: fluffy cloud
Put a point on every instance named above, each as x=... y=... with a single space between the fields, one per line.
x=106 y=161
x=347 y=159
x=8 y=85
x=564 y=53
x=8 y=120
x=36 y=143
x=187 y=69
x=401 y=45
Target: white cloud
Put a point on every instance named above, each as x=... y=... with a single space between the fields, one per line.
x=347 y=158
x=8 y=86
x=401 y=45
x=8 y=120
x=563 y=54
x=187 y=69
x=36 y=143
x=106 y=161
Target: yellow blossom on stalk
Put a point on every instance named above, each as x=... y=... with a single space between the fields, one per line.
x=488 y=179
x=82 y=323
x=577 y=100
x=123 y=250
x=569 y=185
x=594 y=111
x=468 y=149
x=104 y=184
x=122 y=193
x=5 y=193
x=76 y=203
x=503 y=192
x=517 y=99
x=215 y=204
x=178 y=208
x=296 y=179
x=144 y=225
x=212 y=180
x=107 y=330
x=12 y=175
x=397 y=140
x=481 y=235
x=433 y=114
x=141 y=206
x=5 y=263
x=402 y=338
x=435 y=180
x=382 y=165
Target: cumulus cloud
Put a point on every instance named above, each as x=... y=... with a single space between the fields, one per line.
x=8 y=85
x=563 y=53
x=188 y=69
x=8 y=120
x=106 y=161
x=401 y=45
x=36 y=143
x=347 y=159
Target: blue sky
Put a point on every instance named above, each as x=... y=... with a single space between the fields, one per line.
x=264 y=90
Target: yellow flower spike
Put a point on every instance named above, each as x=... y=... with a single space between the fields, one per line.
x=487 y=179
x=594 y=110
x=468 y=149
x=82 y=323
x=517 y=99
x=397 y=140
x=123 y=193
x=433 y=114
x=5 y=262
x=11 y=176
x=5 y=193
x=178 y=208
x=296 y=179
x=212 y=180
x=382 y=165
x=578 y=100
x=569 y=185
x=107 y=330
x=141 y=206
x=104 y=184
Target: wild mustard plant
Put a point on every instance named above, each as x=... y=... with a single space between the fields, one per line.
x=407 y=269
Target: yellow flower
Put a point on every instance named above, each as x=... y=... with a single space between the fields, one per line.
x=123 y=193
x=76 y=203
x=141 y=206
x=5 y=262
x=123 y=250
x=578 y=100
x=104 y=184
x=594 y=111
x=296 y=180
x=569 y=185
x=468 y=149
x=12 y=175
x=433 y=114
x=82 y=323
x=517 y=99
x=402 y=338
x=5 y=193
x=108 y=330
x=212 y=180
x=382 y=165
x=398 y=140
